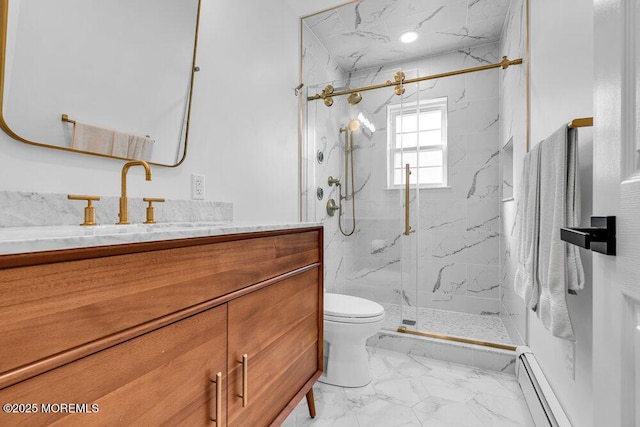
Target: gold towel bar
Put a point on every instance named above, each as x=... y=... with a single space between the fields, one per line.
x=577 y=123
x=65 y=118
x=581 y=122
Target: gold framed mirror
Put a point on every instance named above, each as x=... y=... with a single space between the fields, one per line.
x=111 y=79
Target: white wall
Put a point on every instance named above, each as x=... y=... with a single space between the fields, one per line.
x=243 y=126
x=561 y=37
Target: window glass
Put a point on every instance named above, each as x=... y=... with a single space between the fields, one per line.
x=417 y=135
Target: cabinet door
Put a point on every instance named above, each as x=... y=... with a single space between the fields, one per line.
x=277 y=328
x=162 y=377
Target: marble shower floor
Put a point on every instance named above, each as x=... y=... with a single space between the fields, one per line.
x=417 y=391
x=465 y=325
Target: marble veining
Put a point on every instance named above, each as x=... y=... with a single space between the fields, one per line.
x=15 y=240
x=513 y=128
x=18 y=209
x=410 y=390
x=367 y=34
x=33 y=222
x=458 y=226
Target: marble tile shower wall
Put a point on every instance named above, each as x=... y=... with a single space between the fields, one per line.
x=453 y=261
x=513 y=125
x=322 y=126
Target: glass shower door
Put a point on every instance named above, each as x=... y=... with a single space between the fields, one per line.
x=403 y=155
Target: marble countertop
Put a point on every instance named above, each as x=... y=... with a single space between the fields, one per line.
x=15 y=240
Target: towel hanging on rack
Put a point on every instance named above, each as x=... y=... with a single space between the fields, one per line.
x=550 y=200
x=527 y=230
x=96 y=139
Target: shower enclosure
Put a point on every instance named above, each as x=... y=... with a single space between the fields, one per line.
x=424 y=170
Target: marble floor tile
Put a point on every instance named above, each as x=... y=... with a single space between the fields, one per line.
x=409 y=390
x=465 y=325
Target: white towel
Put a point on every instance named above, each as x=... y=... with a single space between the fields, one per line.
x=140 y=148
x=111 y=142
x=575 y=271
x=559 y=268
x=120 y=146
x=526 y=282
x=132 y=146
x=92 y=138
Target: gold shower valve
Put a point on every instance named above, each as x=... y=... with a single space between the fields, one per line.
x=89 y=210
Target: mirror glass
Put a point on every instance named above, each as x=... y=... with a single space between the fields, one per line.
x=119 y=71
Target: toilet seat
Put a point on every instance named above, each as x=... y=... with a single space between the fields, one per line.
x=350 y=309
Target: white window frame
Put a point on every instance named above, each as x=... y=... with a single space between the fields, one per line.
x=396 y=110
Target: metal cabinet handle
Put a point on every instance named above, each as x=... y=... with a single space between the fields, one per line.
x=218 y=382
x=245 y=383
x=407 y=228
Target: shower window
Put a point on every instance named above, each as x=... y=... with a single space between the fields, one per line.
x=417 y=135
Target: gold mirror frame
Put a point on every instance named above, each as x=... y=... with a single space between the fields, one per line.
x=4 y=17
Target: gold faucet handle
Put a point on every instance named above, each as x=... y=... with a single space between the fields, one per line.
x=150 y=217
x=89 y=211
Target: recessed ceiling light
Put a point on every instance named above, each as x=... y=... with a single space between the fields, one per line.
x=409 y=37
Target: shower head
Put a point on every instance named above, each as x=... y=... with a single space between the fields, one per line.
x=354 y=98
x=354 y=125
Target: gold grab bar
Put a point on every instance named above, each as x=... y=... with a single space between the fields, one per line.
x=65 y=118
x=218 y=382
x=406 y=200
x=399 y=80
x=245 y=383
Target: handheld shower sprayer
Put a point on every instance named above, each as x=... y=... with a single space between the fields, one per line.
x=352 y=127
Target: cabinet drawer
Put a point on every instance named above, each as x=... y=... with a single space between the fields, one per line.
x=160 y=377
x=278 y=328
x=55 y=306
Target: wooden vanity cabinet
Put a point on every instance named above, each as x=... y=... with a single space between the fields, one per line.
x=159 y=371
x=277 y=328
x=163 y=376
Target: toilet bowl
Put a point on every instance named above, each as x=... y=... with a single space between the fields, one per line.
x=348 y=322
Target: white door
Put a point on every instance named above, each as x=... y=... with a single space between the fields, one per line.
x=616 y=280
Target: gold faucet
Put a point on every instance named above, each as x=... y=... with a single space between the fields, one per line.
x=124 y=204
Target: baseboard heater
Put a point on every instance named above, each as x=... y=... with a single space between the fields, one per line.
x=544 y=406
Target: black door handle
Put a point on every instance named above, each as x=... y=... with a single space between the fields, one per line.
x=600 y=237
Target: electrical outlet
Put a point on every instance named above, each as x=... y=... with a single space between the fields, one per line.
x=197 y=186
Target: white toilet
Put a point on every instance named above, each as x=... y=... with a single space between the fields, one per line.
x=348 y=322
